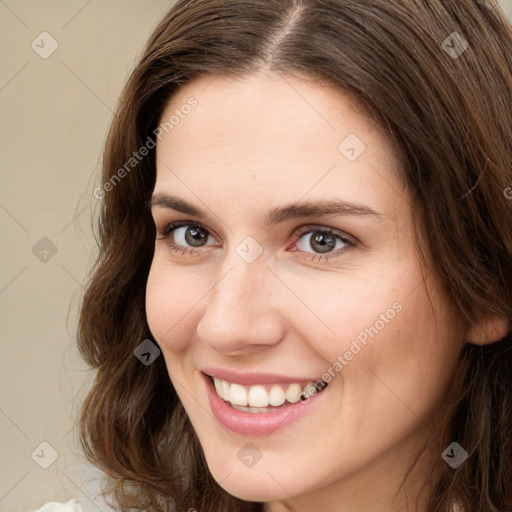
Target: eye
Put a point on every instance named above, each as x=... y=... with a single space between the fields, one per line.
x=318 y=242
x=196 y=236
x=322 y=241
x=185 y=237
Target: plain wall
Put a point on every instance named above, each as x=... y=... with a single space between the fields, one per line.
x=55 y=116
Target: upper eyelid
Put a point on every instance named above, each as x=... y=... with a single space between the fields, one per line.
x=311 y=227
x=183 y=223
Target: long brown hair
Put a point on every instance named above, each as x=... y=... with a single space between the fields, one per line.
x=437 y=76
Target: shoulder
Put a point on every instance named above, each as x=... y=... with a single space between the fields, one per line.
x=52 y=506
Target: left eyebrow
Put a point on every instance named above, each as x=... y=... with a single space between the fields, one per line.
x=278 y=214
x=317 y=209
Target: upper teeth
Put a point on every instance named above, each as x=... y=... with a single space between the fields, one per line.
x=261 y=396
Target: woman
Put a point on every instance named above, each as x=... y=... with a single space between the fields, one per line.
x=303 y=293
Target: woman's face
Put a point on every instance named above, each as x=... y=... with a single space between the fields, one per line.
x=294 y=261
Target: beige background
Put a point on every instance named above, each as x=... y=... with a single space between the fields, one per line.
x=55 y=114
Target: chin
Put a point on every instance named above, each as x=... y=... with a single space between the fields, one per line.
x=259 y=484
x=261 y=489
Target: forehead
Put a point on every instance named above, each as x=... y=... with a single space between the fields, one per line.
x=274 y=135
x=267 y=100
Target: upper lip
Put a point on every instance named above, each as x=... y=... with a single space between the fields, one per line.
x=251 y=379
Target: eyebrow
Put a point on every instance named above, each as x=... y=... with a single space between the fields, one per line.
x=278 y=214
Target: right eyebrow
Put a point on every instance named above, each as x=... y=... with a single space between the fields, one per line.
x=175 y=203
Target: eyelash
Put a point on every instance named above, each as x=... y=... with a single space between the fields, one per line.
x=166 y=235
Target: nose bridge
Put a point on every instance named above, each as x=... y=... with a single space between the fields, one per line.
x=236 y=289
x=238 y=312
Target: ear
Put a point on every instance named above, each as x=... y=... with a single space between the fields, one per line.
x=488 y=330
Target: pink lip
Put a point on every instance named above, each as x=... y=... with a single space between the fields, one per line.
x=252 y=379
x=259 y=424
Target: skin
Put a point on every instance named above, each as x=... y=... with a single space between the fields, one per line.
x=250 y=145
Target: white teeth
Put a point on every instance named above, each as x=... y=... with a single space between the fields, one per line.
x=293 y=392
x=276 y=396
x=237 y=394
x=257 y=398
x=252 y=410
x=224 y=390
x=218 y=387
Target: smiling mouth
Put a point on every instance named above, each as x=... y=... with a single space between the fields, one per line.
x=264 y=398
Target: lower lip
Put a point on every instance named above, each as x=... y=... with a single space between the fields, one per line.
x=258 y=424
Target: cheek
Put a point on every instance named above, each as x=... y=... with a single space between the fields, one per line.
x=347 y=308
x=408 y=361
x=170 y=302
x=384 y=323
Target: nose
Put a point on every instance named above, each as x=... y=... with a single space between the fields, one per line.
x=241 y=312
